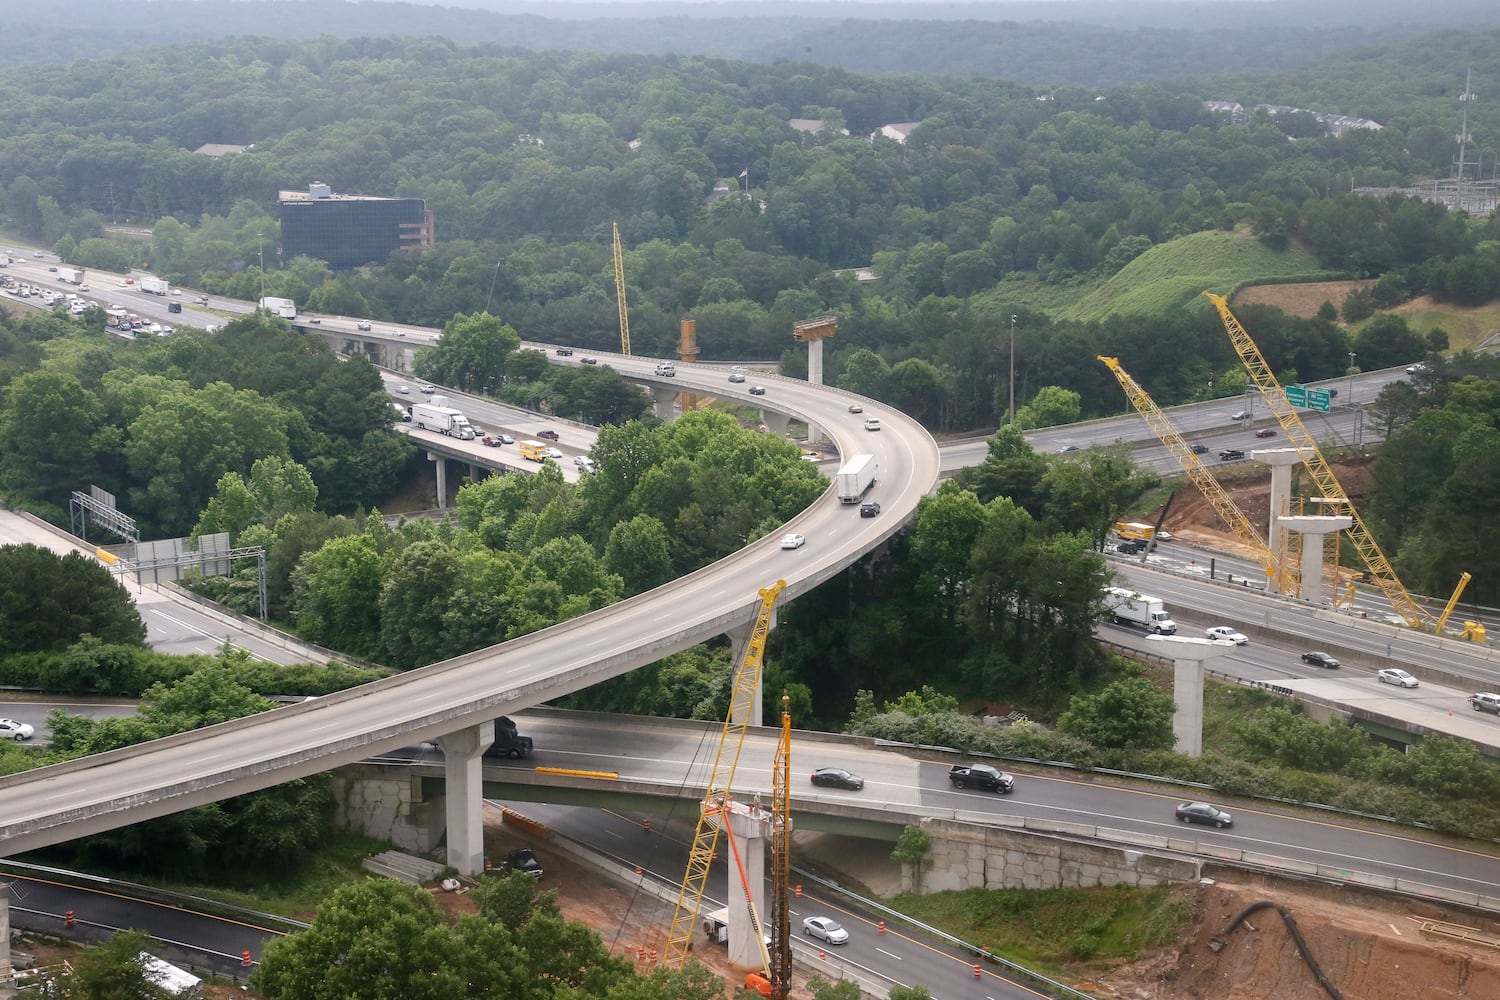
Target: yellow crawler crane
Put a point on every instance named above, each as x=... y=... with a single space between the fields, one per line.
x=620 y=294
x=1317 y=466
x=720 y=782
x=1228 y=511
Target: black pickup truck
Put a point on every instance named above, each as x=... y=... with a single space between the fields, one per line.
x=983 y=777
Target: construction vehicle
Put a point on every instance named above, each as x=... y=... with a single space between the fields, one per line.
x=620 y=294
x=1298 y=436
x=1229 y=512
x=717 y=801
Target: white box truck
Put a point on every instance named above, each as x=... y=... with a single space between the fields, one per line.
x=155 y=286
x=443 y=419
x=285 y=308
x=71 y=275
x=855 y=477
x=1139 y=610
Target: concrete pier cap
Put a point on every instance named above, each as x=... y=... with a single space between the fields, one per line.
x=1313 y=527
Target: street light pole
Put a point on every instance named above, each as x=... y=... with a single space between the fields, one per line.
x=1355 y=431
x=490 y=298
x=1352 y=356
x=262 y=254
x=1011 y=416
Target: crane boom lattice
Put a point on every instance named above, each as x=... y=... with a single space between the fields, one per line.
x=1229 y=512
x=720 y=782
x=781 y=862
x=620 y=293
x=1317 y=466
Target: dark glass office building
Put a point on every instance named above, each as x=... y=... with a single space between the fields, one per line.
x=350 y=230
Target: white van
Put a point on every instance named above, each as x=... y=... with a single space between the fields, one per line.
x=667 y=369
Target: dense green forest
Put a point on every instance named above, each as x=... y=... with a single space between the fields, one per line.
x=1045 y=44
x=997 y=204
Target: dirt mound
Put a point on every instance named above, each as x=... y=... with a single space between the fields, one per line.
x=1300 y=300
x=1369 y=948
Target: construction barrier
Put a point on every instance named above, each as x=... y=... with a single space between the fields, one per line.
x=245 y=959
x=512 y=818
x=68 y=918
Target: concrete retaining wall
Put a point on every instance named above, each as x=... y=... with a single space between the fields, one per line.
x=385 y=804
x=967 y=856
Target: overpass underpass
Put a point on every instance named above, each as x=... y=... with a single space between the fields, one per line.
x=453 y=702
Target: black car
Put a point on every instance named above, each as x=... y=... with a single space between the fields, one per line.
x=869 y=508
x=174 y=307
x=981 y=776
x=1200 y=449
x=837 y=777
x=1231 y=455
x=1202 y=812
x=757 y=390
x=588 y=359
x=564 y=352
x=1320 y=660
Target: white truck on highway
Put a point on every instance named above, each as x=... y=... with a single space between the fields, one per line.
x=155 y=286
x=70 y=275
x=443 y=419
x=1140 y=610
x=855 y=477
x=285 y=308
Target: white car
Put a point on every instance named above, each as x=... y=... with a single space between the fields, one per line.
x=427 y=387
x=404 y=389
x=10 y=729
x=826 y=928
x=1416 y=369
x=1397 y=676
x=736 y=377
x=872 y=423
x=553 y=453
x=584 y=463
x=176 y=291
x=792 y=540
x=363 y=324
x=1224 y=632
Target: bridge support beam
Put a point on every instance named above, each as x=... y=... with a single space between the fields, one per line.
x=775 y=423
x=441 y=464
x=750 y=830
x=1187 y=686
x=664 y=403
x=463 y=758
x=1314 y=528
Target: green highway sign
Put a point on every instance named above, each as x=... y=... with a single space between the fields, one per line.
x=1308 y=399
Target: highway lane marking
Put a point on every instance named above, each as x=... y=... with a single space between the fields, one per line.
x=149 y=902
x=889 y=954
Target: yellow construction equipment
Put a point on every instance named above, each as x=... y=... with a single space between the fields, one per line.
x=1282 y=579
x=720 y=782
x=1463 y=581
x=781 y=861
x=620 y=294
x=1317 y=466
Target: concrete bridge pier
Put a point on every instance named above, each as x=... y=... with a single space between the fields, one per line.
x=463 y=758
x=750 y=826
x=1187 y=656
x=775 y=423
x=442 y=478
x=664 y=403
x=1314 y=528
x=1281 y=461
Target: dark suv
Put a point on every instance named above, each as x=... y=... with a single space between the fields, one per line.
x=1231 y=455
x=981 y=776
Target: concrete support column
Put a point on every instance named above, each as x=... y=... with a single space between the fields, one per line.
x=776 y=423
x=463 y=759
x=1281 y=461
x=442 y=478
x=815 y=361
x=750 y=829
x=664 y=403
x=1314 y=528
x=1187 y=656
